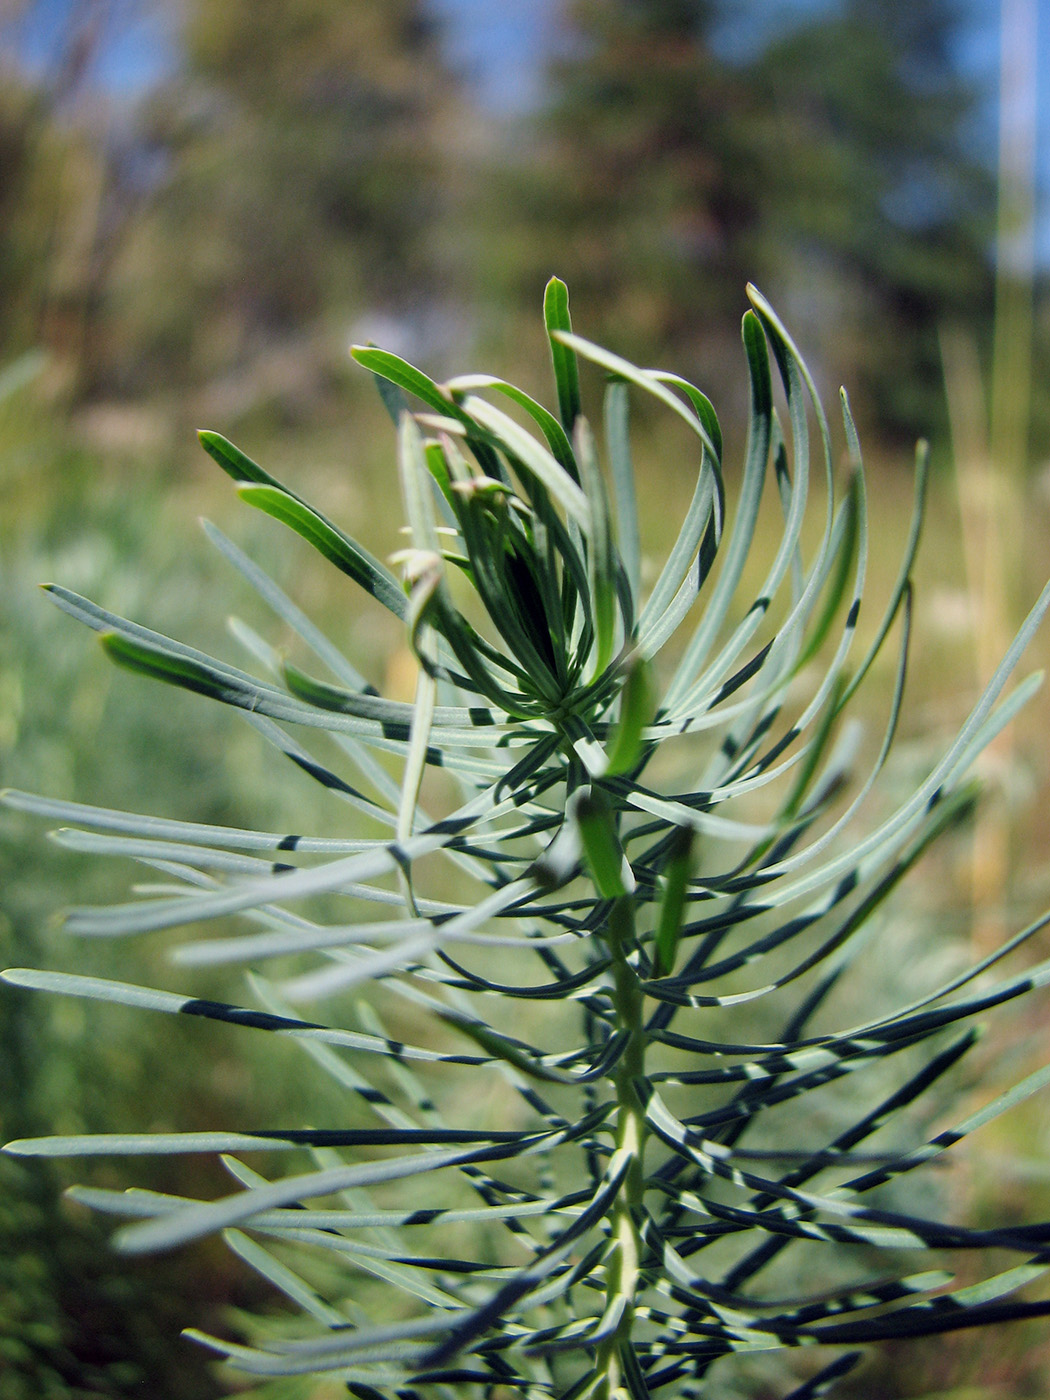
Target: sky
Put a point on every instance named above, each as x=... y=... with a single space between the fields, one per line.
x=501 y=47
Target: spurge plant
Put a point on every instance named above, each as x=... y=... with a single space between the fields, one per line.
x=622 y=935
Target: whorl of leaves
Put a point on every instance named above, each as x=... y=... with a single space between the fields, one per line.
x=618 y=1230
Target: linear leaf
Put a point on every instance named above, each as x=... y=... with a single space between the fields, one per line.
x=348 y=556
x=566 y=372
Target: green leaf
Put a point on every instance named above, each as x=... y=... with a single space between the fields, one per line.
x=675 y=878
x=637 y=704
x=233 y=461
x=163 y=664
x=903 y=581
x=387 y=725
x=683 y=574
x=207 y=1217
x=557 y=439
x=173 y=1003
x=702 y=406
x=416 y=486
x=602 y=562
x=500 y=1047
x=618 y=443
x=284 y=608
x=282 y=1278
x=202 y=834
x=143 y=1144
x=398 y=371
x=534 y=457
x=566 y=371
x=685 y=684
x=593 y=814
x=397 y=713
x=354 y=560
x=649 y=380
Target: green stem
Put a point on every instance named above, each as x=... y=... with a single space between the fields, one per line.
x=624 y=1260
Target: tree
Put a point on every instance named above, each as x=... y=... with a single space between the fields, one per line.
x=640 y=186
x=833 y=163
x=299 y=155
x=876 y=191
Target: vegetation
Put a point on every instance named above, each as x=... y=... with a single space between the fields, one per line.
x=836 y=156
x=205 y=250
x=74 y=1321
x=295 y=174
x=595 y=1004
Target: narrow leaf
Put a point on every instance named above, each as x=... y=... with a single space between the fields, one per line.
x=593 y=815
x=566 y=371
x=355 y=561
x=672 y=902
x=637 y=704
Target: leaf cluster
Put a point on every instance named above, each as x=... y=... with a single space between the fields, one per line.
x=603 y=1208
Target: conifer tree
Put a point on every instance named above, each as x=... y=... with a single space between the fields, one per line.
x=877 y=191
x=833 y=164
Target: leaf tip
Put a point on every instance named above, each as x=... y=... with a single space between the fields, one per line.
x=212 y=442
x=204 y=1339
x=125 y=1245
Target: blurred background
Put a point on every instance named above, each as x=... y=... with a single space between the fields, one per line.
x=203 y=202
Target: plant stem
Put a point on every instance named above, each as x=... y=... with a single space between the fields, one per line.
x=623 y=1267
